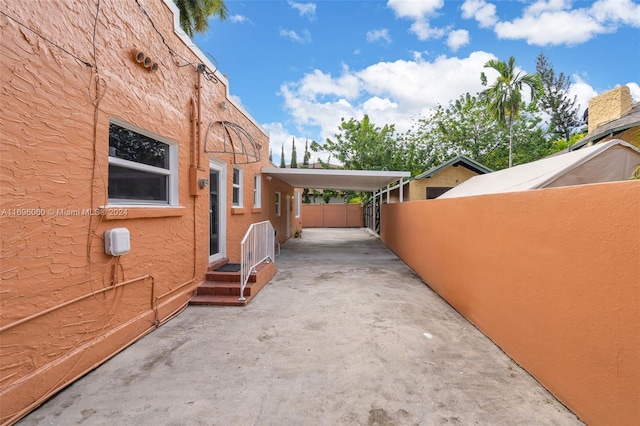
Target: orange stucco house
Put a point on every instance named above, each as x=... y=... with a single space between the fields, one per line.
x=114 y=127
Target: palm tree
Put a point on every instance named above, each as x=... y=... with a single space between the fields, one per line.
x=194 y=14
x=504 y=97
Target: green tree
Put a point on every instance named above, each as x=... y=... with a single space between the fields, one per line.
x=562 y=144
x=530 y=141
x=464 y=127
x=194 y=14
x=282 y=162
x=305 y=165
x=307 y=155
x=504 y=96
x=361 y=145
x=555 y=100
x=294 y=156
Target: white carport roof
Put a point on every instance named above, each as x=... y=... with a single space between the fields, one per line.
x=354 y=180
x=603 y=162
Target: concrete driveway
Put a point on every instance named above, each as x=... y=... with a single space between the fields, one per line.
x=344 y=334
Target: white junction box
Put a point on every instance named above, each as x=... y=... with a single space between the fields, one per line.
x=117 y=241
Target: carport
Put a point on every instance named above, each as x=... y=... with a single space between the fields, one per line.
x=346 y=180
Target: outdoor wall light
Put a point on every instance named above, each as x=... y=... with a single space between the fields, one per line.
x=203 y=183
x=223 y=105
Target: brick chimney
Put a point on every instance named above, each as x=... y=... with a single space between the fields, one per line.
x=609 y=106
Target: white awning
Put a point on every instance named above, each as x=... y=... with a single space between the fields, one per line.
x=354 y=180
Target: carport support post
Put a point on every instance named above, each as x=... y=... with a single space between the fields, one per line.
x=388 y=195
x=372 y=216
x=400 y=190
x=380 y=214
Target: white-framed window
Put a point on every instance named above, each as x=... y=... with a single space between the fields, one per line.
x=257 y=191
x=143 y=167
x=297 y=202
x=278 y=203
x=237 y=187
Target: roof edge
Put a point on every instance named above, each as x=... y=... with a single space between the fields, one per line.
x=178 y=31
x=467 y=162
x=329 y=172
x=596 y=149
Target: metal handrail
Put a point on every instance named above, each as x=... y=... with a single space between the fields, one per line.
x=257 y=246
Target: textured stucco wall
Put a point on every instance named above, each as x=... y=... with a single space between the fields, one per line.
x=551 y=276
x=332 y=216
x=65 y=305
x=449 y=177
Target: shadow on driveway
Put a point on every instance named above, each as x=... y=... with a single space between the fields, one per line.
x=344 y=334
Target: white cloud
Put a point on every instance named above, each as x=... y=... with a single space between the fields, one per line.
x=624 y=11
x=303 y=38
x=389 y=92
x=481 y=11
x=582 y=91
x=417 y=56
x=415 y=85
x=554 y=22
x=635 y=91
x=424 y=31
x=378 y=104
x=280 y=137
x=541 y=6
x=458 y=38
x=309 y=112
x=318 y=84
x=304 y=9
x=419 y=12
x=552 y=28
x=239 y=19
x=414 y=9
x=375 y=35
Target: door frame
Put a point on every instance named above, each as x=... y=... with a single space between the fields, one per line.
x=221 y=168
x=288 y=206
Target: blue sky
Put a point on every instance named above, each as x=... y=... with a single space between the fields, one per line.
x=299 y=67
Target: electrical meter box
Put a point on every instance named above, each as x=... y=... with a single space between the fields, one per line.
x=117 y=241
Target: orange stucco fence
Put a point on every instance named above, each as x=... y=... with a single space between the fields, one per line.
x=332 y=216
x=551 y=276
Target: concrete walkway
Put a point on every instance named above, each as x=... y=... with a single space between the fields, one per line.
x=345 y=334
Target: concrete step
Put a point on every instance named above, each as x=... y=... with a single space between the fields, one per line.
x=226 y=293
x=231 y=277
x=209 y=300
x=222 y=288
